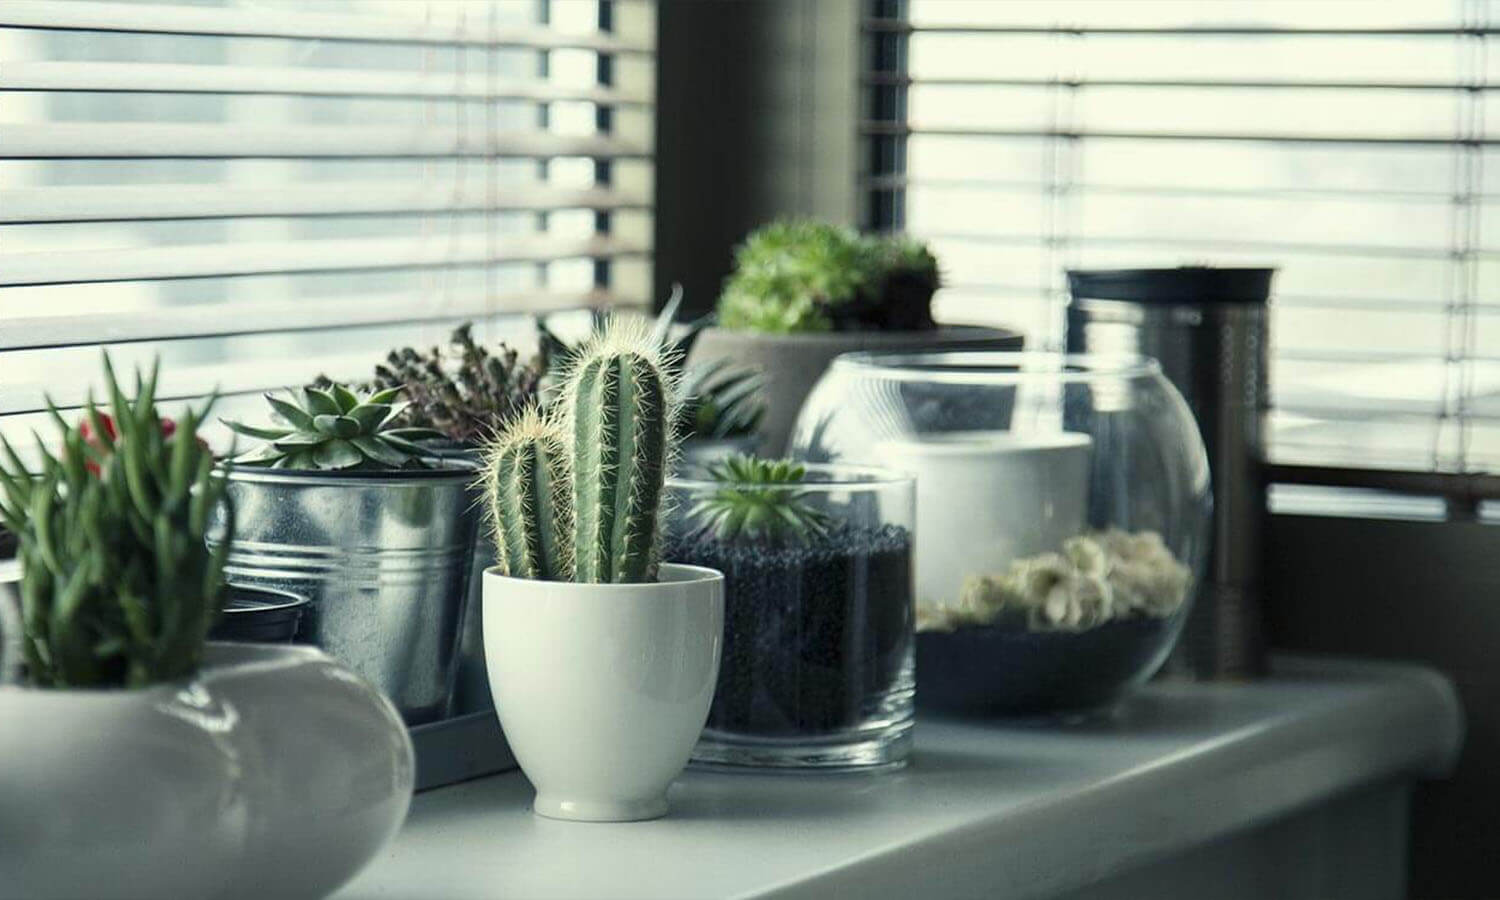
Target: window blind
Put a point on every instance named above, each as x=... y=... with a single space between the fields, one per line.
x=1345 y=143
x=259 y=191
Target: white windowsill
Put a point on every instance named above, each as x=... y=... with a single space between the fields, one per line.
x=984 y=810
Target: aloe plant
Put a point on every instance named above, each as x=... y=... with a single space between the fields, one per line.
x=118 y=587
x=618 y=405
x=721 y=400
x=758 y=499
x=334 y=430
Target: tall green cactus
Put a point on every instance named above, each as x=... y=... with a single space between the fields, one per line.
x=529 y=496
x=589 y=512
x=620 y=402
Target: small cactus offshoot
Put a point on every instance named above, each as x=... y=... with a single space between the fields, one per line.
x=527 y=486
x=336 y=429
x=118 y=585
x=758 y=499
x=617 y=408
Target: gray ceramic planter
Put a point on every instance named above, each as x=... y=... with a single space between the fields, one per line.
x=384 y=558
x=793 y=363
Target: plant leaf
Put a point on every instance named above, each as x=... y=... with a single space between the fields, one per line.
x=346 y=399
x=385 y=396
x=293 y=415
x=379 y=451
x=300 y=439
x=370 y=416
x=337 y=426
x=265 y=434
x=319 y=402
x=337 y=454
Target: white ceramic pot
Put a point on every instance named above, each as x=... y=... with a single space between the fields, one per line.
x=602 y=689
x=987 y=498
x=272 y=773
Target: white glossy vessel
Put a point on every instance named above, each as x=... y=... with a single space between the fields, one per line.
x=274 y=772
x=602 y=689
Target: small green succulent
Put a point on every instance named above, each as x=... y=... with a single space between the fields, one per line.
x=758 y=499
x=721 y=400
x=336 y=429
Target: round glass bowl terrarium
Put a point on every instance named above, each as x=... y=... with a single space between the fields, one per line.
x=1062 y=515
x=818 y=626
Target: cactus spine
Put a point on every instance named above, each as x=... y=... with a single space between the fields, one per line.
x=599 y=510
x=528 y=493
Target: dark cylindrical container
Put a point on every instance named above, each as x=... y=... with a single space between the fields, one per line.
x=1207 y=328
x=259 y=615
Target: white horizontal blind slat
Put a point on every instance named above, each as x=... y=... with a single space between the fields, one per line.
x=190 y=201
x=296 y=81
x=307 y=314
x=1346 y=144
x=257 y=193
x=451 y=26
x=132 y=141
x=207 y=261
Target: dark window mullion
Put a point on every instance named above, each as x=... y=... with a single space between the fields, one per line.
x=604 y=124
x=887 y=103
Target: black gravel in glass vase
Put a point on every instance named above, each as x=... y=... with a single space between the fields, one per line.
x=817 y=662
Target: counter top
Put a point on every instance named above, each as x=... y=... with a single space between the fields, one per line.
x=1019 y=810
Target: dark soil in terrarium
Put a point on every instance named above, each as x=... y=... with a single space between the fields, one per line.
x=815 y=634
x=1010 y=670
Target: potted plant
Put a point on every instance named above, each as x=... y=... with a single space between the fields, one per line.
x=340 y=504
x=463 y=392
x=817 y=561
x=602 y=659
x=141 y=761
x=803 y=292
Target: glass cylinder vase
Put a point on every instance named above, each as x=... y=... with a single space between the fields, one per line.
x=817 y=667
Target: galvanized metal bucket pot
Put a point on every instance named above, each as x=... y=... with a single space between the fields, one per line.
x=385 y=559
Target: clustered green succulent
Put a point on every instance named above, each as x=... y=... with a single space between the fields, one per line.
x=575 y=493
x=464 y=391
x=808 y=276
x=118 y=587
x=758 y=499
x=336 y=429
